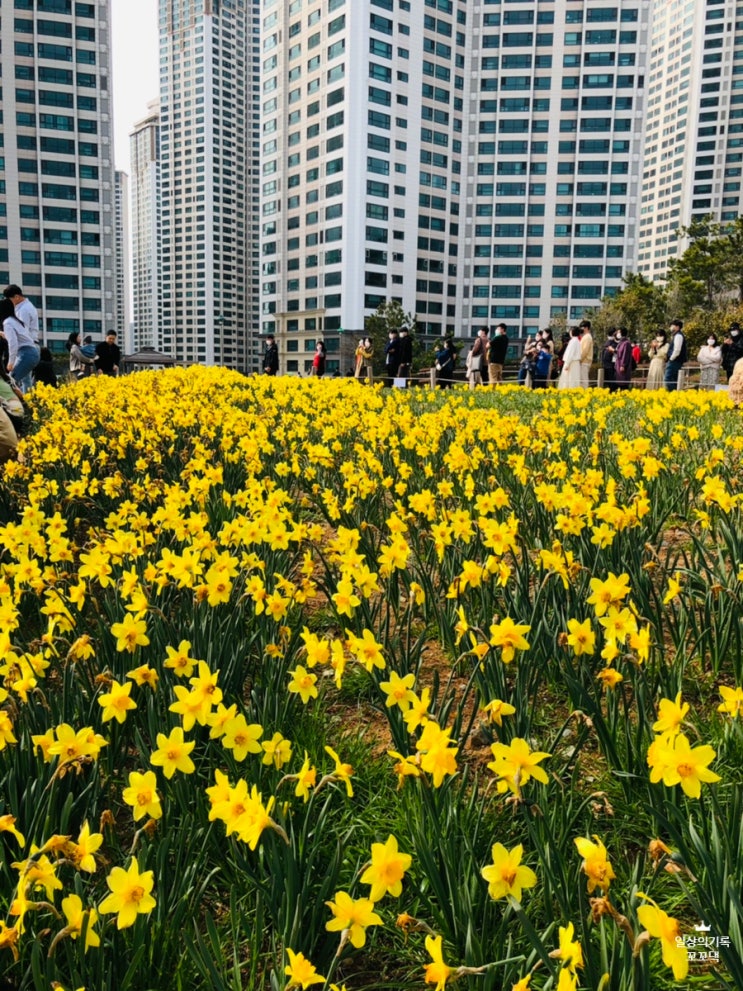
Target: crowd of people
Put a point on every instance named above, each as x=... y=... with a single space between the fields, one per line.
x=24 y=362
x=570 y=363
x=544 y=361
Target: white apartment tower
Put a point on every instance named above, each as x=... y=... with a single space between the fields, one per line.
x=693 y=158
x=144 y=146
x=478 y=161
x=207 y=137
x=57 y=182
x=121 y=247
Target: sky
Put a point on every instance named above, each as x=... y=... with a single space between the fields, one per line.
x=135 y=68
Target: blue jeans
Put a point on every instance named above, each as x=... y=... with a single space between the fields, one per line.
x=671 y=377
x=26 y=360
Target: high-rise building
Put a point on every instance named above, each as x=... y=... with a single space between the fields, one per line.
x=144 y=144
x=121 y=247
x=477 y=161
x=693 y=158
x=208 y=59
x=57 y=179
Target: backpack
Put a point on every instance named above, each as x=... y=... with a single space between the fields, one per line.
x=683 y=356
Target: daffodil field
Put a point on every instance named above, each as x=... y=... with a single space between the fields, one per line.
x=311 y=685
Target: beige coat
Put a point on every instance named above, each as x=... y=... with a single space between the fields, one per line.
x=735 y=385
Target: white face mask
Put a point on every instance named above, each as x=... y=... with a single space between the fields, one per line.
x=711 y=341
x=734 y=333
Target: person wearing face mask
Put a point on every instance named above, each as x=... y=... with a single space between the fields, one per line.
x=658 y=354
x=732 y=349
x=710 y=359
x=677 y=357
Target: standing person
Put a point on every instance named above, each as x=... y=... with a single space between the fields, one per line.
x=406 y=353
x=543 y=359
x=608 y=359
x=586 y=353
x=271 y=356
x=23 y=351
x=570 y=377
x=623 y=364
x=476 y=357
x=732 y=349
x=497 y=350
x=26 y=312
x=359 y=360
x=109 y=355
x=658 y=354
x=80 y=363
x=735 y=384
x=445 y=359
x=559 y=352
x=11 y=416
x=44 y=371
x=526 y=367
x=367 y=358
x=677 y=355
x=710 y=360
x=318 y=362
x=391 y=358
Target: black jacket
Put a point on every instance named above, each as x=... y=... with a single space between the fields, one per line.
x=271 y=359
x=109 y=357
x=498 y=350
x=731 y=353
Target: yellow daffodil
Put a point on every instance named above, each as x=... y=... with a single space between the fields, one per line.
x=354 y=915
x=509 y=636
x=242 y=737
x=117 y=702
x=303 y=683
x=179 y=659
x=595 y=864
x=130 y=633
x=277 y=751
x=387 y=869
x=496 y=709
x=670 y=715
x=581 y=637
x=674 y=587
x=661 y=926
x=142 y=795
x=144 y=675
x=344 y=599
x=342 y=772
x=7 y=825
x=436 y=972
x=570 y=952
x=130 y=894
x=609 y=677
x=84 y=849
x=78 y=918
x=675 y=761
x=301 y=973
x=732 y=701
x=515 y=764
x=172 y=753
x=399 y=691
x=608 y=592
x=506 y=875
